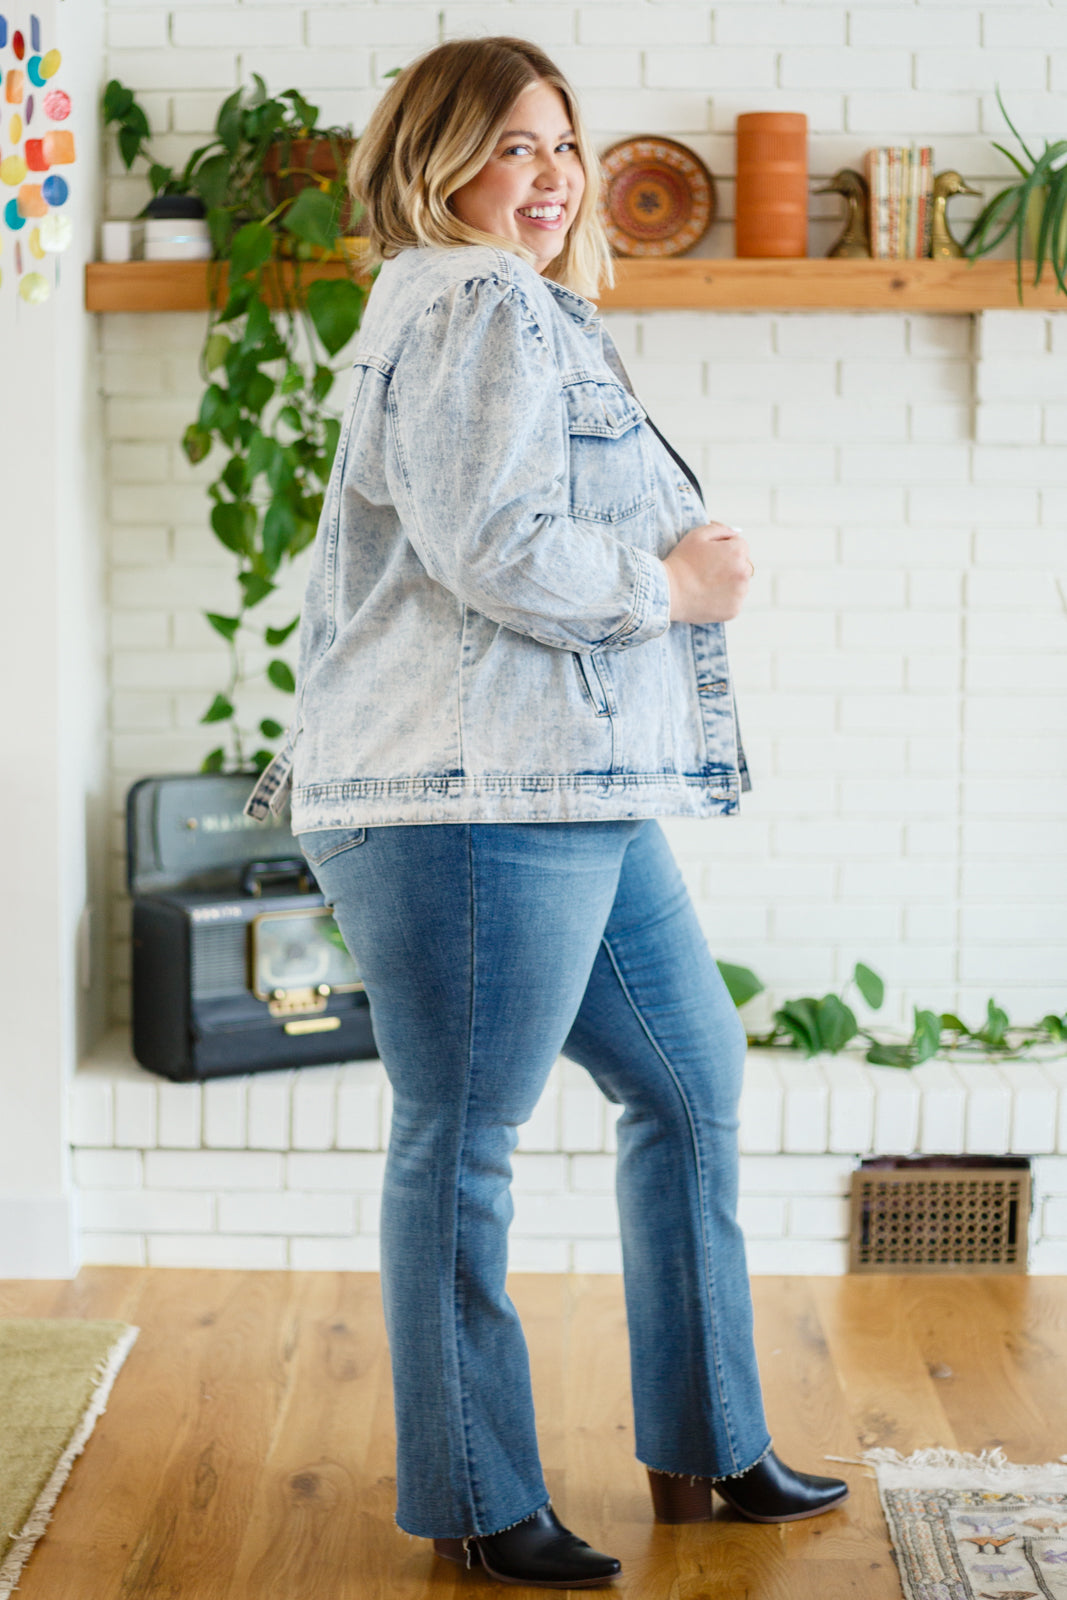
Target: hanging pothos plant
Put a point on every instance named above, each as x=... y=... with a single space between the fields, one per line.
x=273 y=187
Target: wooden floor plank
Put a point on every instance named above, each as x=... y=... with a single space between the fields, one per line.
x=247 y=1450
x=998 y=1368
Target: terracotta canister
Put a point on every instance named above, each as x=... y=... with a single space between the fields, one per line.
x=772 y=184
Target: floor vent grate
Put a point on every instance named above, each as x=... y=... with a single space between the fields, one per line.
x=940 y=1214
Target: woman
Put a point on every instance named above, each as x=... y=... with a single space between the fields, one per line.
x=511 y=662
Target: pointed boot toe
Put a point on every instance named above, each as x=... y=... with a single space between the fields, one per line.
x=772 y=1492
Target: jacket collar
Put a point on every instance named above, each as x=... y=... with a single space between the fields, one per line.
x=575 y=305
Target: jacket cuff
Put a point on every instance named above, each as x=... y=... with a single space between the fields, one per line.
x=650 y=615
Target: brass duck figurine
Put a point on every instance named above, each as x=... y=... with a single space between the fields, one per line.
x=943 y=246
x=855 y=238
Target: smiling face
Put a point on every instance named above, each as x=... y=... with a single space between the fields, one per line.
x=530 y=188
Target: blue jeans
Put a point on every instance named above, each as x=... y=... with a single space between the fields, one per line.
x=487 y=949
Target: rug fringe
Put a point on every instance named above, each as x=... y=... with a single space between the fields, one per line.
x=39 y=1518
x=957 y=1469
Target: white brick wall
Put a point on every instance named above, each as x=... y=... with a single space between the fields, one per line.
x=902 y=481
x=258 y=1198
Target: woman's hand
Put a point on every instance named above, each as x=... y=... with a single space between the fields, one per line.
x=709 y=571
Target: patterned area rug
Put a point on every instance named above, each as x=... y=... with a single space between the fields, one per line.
x=975 y=1527
x=55 y=1377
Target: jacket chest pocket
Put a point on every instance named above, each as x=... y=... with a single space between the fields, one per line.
x=610 y=474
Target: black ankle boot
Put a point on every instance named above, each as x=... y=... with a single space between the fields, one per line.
x=539 y=1552
x=768 y=1492
x=772 y=1492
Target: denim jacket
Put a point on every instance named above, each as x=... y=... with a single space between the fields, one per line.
x=485 y=634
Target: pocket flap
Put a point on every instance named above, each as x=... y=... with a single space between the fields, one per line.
x=605 y=409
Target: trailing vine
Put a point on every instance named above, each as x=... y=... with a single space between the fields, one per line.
x=826 y=1025
x=271 y=204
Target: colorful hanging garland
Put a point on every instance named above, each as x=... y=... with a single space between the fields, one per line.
x=35 y=222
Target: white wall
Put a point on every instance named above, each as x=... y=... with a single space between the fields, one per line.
x=902 y=480
x=52 y=799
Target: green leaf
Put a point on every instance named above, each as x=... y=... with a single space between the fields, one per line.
x=262 y=449
x=890 y=1055
x=235 y=525
x=130 y=142
x=926 y=1039
x=869 y=985
x=136 y=120
x=252 y=246
x=741 y=983
x=258 y=326
x=162 y=178
x=277 y=636
x=227 y=626
x=954 y=1024
x=282 y=470
x=305 y=534
x=292 y=418
x=196 y=442
x=322 y=382
x=996 y=1024
x=335 y=306
x=228 y=121
x=281 y=675
x=1054 y=1026
x=214 y=760
x=271 y=729
x=835 y=1023
x=293 y=380
x=261 y=759
x=240 y=297
x=213 y=178
x=220 y=710
x=212 y=404
x=279 y=527
x=216 y=349
x=117 y=100
x=235 y=476
x=312 y=217
x=258 y=392
x=221 y=227
x=797 y=1018
x=256 y=588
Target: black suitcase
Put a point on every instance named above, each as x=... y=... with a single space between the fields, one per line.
x=237 y=963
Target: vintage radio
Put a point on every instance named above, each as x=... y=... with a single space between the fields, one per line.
x=238 y=965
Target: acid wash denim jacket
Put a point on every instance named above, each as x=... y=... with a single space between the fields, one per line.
x=486 y=635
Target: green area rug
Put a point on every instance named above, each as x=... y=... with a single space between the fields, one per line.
x=967 y=1527
x=55 y=1378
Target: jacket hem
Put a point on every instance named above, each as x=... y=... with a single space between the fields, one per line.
x=537 y=797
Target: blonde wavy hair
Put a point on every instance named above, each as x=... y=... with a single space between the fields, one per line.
x=436 y=127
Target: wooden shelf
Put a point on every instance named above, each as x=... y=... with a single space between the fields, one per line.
x=823 y=285
x=175 y=285
x=716 y=285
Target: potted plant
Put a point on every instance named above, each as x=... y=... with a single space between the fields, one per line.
x=1034 y=209
x=273 y=187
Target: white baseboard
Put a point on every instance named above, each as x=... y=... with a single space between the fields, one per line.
x=38 y=1236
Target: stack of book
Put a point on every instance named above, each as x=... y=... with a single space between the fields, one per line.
x=901 y=205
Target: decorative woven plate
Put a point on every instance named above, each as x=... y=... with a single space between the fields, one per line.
x=658 y=198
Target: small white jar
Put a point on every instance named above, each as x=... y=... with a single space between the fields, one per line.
x=175 y=229
x=176 y=239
